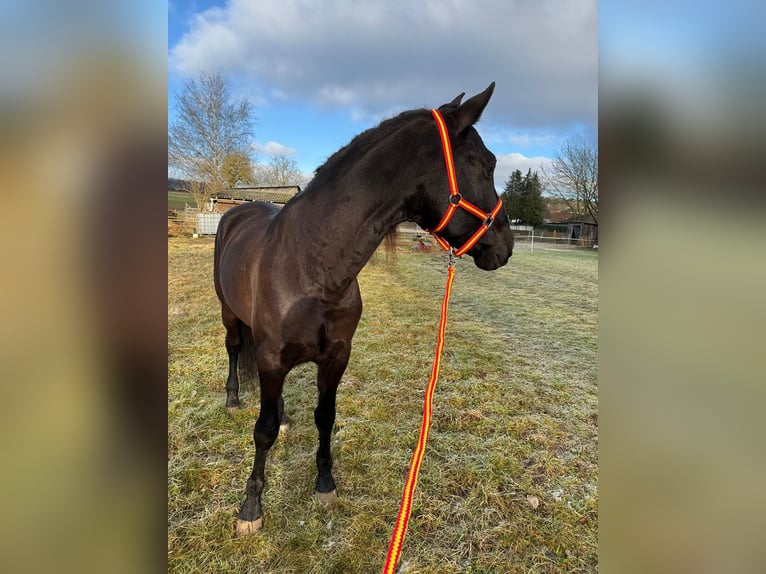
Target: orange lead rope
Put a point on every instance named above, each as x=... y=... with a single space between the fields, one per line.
x=400 y=528
x=456 y=200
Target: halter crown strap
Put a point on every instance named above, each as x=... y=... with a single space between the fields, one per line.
x=456 y=200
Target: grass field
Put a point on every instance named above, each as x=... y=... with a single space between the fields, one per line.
x=179 y=199
x=509 y=480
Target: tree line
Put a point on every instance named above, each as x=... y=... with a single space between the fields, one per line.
x=570 y=185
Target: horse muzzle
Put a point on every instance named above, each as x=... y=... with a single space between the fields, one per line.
x=490 y=256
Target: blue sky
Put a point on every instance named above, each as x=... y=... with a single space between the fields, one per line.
x=318 y=73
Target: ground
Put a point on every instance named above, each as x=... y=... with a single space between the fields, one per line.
x=509 y=480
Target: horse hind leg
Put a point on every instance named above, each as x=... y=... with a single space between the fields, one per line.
x=284 y=420
x=233 y=346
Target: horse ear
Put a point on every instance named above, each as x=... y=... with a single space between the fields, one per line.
x=446 y=108
x=457 y=100
x=470 y=112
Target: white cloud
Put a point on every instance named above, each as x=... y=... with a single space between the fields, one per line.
x=273 y=148
x=375 y=56
x=526 y=140
x=336 y=96
x=495 y=134
x=509 y=162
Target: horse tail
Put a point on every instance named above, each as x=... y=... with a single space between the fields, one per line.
x=216 y=260
x=246 y=365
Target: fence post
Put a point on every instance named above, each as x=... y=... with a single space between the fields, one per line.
x=533 y=239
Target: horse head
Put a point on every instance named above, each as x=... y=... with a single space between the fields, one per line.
x=474 y=169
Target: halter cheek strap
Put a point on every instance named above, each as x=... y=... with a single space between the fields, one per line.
x=456 y=200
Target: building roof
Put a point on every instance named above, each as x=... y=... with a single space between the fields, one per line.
x=586 y=219
x=273 y=194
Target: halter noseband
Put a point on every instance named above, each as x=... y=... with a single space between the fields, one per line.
x=456 y=200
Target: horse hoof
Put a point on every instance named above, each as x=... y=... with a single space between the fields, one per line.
x=284 y=427
x=245 y=527
x=232 y=410
x=326 y=497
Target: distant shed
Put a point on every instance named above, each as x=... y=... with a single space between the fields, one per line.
x=278 y=195
x=583 y=233
x=207 y=223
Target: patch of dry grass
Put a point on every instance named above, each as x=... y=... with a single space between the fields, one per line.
x=515 y=421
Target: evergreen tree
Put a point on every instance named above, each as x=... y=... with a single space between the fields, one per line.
x=522 y=198
x=511 y=196
x=533 y=209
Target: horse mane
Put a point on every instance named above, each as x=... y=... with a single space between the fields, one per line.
x=389 y=243
x=364 y=141
x=355 y=149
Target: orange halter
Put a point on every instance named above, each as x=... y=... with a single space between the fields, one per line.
x=456 y=200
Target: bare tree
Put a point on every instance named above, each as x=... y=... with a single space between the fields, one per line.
x=202 y=191
x=573 y=177
x=210 y=128
x=279 y=170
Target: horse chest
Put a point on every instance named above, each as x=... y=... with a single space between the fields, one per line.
x=307 y=329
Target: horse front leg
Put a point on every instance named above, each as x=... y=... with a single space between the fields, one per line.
x=328 y=378
x=250 y=517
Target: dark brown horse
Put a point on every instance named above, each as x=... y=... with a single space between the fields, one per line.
x=287 y=278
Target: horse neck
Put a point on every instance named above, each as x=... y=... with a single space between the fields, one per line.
x=341 y=223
